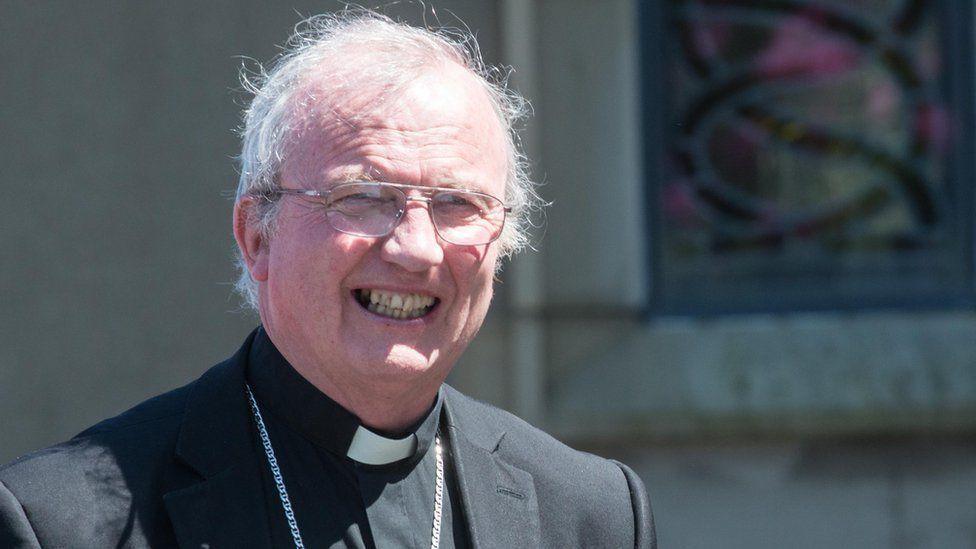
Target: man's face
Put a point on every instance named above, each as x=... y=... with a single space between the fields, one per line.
x=440 y=131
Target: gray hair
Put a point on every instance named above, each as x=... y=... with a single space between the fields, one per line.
x=398 y=53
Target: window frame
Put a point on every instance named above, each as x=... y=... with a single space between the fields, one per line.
x=957 y=38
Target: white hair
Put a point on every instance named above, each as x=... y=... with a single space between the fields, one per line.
x=397 y=53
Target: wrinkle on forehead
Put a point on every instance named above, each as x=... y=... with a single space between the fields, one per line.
x=367 y=81
x=444 y=113
x=334 y=98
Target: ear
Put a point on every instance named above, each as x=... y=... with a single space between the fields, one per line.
x=250 y=238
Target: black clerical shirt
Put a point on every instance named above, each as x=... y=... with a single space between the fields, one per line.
x=339 y=503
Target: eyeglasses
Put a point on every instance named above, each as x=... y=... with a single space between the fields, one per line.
x=374 y=209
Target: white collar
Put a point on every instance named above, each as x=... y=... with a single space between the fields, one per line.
x=373 y=449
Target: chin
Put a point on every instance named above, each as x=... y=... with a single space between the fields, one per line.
x=405 y=362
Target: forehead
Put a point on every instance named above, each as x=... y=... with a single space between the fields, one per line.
x=439 y=128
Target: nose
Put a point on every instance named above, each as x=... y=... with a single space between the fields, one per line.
x=413 y=245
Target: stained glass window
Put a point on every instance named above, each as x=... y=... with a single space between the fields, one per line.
x=815 y=154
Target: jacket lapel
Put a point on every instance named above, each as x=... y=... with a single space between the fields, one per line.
x=498 y=499
x=222 y=502
x=227 y=510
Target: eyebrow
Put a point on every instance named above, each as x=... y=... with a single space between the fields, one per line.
x=365 y=176
x=355 y=177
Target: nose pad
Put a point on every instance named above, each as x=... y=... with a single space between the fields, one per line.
x=413 y=244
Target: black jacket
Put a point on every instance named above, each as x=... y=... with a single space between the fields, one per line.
x=182 y=470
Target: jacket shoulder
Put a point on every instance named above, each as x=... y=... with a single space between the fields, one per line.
x=165 y=408
x=138 y=436
x=521 y=442
x=105 y=484
x=142 y=424
x=85 y=488
x=593 y=501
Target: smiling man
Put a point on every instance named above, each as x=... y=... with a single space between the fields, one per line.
x=380 y=186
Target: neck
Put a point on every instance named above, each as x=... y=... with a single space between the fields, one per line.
x=385 y=403
x=387 y=408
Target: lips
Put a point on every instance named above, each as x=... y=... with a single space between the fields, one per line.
x=401 y=306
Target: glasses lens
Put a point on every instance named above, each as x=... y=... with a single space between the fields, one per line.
x=467 y=218
x=364 y=209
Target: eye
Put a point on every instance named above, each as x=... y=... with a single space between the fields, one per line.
x=358 y=200
x=458 y=203
x=460 y=207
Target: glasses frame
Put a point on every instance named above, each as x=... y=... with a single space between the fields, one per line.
x=427 y=198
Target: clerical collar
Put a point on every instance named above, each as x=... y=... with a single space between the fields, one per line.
x=290 y=398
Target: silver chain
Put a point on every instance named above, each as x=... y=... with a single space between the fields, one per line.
x=435 y=535
x=275 y=471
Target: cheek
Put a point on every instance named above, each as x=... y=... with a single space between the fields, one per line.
x=474 y=270
x=340 y=252
x=318 y=257
x=474 y=255
x=480 y=295
x=308 y=272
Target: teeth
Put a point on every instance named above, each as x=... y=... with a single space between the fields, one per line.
x=397 y=305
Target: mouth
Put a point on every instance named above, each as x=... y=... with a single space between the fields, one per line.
x=395 y=305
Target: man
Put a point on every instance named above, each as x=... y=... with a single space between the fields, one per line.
x=380 y=186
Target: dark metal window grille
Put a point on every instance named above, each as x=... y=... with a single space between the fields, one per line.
x=808 y=154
